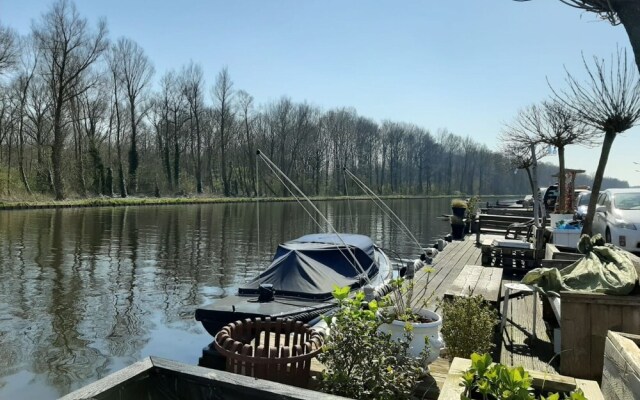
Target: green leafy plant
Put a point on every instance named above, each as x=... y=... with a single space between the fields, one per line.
x=404 y=302
x=362 y=362
x=459 y=203
x=467 y=326
x=472 y=206
x=485 y=380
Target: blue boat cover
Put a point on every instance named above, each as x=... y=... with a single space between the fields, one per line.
x=310 y=266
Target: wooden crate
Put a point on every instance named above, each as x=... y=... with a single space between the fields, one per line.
x=452 y=389
x=585 y=320
x=621 y=372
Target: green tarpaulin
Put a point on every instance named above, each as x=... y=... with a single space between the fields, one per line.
x=603 y=269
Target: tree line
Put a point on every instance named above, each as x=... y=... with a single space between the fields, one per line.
x=82 y=115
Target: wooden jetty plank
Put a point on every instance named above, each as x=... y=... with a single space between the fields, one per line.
x=518 y=348
x=476 y=280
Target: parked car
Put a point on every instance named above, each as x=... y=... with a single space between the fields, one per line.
x=582 y=204
x=550 y=197
x=617 y=218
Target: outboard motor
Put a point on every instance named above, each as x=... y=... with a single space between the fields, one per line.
x=266 y=293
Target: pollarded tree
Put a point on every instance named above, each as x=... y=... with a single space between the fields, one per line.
x=68 y=49
x=517 y=149
x=625 y=12
x=553 y=124
x=608 y=101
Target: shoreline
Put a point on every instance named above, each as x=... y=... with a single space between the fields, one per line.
x=158 y=201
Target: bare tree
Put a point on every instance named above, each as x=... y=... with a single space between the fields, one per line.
x=517 y=149
x=9 y=49
x=625 y=12
x=223 y=92
x=134 y=71
x=192 y=86
x=68 y=49
x=608 y=101
x=553 y=124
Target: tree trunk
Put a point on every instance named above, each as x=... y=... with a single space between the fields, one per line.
x=56 y=153
x=562 y=183
x=629 y=13
x=133 y=151
x=597 y=181
x=176 y=156
x=23 y=175
x=199 y=189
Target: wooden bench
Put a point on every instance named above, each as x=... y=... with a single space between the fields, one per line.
x=503 y=224
x=476 y=280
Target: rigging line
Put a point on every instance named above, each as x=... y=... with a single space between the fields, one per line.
x=346 y=191
x=371 y=193
x=258 y=204
x=269 y=162
x=335 y=281
x=294 y=196
x=271 y=166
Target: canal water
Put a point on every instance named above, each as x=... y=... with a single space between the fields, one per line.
x=87 y=291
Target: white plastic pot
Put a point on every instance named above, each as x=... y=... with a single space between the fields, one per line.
x=420 y=332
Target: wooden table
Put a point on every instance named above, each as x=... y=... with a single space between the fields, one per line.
x=476 y=280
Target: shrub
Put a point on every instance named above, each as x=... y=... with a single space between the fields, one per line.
x=467 y=326
x=361 y=361
x=496 y=381
x=458 y=203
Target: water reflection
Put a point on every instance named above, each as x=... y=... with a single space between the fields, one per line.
x=84 y=292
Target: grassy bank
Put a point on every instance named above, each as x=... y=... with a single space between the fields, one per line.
x=153 y=201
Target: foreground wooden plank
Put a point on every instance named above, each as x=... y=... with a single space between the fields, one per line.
x=555 y=383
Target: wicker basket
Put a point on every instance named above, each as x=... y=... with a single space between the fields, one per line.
x=278 y=350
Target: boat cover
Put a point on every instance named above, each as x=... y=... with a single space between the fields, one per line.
x=309 y=267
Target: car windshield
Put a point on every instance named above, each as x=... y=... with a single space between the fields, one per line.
x=584 y=199
x=627 y=201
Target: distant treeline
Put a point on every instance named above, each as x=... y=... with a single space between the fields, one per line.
x=83 y=116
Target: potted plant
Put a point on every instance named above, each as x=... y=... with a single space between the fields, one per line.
x=457 y=227
x=459 y=207
x=469 y=326
x=362 y=361
x=472 y=209
x=405 y=309
x=480 y=378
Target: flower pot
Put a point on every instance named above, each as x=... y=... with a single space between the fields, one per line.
x=458 y=211
x=457 y=231
x=554 y=219
x=420 y=331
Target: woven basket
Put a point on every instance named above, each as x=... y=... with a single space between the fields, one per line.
x=278 y=350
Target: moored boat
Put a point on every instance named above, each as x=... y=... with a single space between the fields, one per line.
x=298 y=283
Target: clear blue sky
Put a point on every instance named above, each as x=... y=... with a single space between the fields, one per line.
x=466 y=65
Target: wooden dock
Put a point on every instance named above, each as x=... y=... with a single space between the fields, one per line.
x=513 y=346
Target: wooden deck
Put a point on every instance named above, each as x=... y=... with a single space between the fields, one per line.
x=513 y=346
